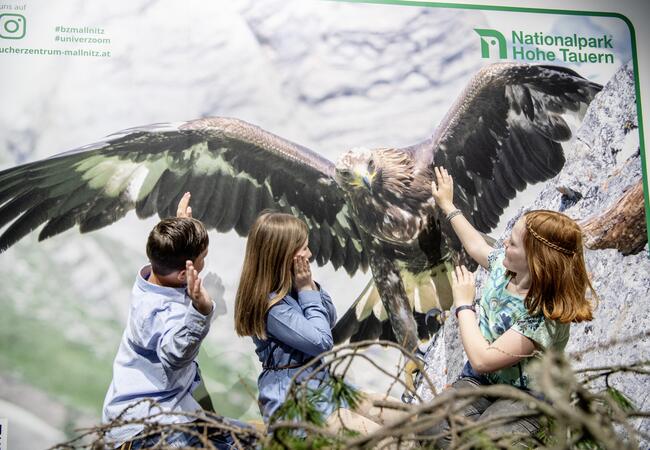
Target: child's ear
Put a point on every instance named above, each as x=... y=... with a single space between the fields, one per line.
x=181 y=276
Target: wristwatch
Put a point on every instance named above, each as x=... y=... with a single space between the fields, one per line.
x=462 y=307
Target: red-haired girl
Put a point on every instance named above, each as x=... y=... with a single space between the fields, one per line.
x=537 y=286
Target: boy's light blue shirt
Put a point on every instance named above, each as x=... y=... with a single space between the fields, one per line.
x=156 y=358
x=299 y=327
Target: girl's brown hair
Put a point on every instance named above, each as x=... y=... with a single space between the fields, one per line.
x=273 y=240
x=559 y=279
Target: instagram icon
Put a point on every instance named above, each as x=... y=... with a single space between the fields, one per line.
x=12 y=26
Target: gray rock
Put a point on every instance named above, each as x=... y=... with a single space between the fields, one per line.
x=602 y=164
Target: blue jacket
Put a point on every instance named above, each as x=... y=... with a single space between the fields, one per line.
x=298 y=327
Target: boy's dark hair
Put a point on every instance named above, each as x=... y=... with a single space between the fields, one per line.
x=173 y=241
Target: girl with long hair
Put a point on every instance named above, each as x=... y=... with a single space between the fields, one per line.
x=537 y=286
x=288 y=315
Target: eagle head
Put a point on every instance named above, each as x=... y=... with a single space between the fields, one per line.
x=384 y=171
x=357 y=170
x=380 y=186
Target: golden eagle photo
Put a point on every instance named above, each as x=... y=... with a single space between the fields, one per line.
x=334 y=112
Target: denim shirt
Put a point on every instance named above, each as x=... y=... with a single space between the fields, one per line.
x=156 y=358
x=298 y=327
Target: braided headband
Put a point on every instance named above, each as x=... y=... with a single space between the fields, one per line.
x=545 y=241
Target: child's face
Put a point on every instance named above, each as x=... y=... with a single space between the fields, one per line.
x=515 y=259
x=304 y=251
x=199 y=262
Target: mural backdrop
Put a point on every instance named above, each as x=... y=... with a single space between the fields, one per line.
x=330 y=76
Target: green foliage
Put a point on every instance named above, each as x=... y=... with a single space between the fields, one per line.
x=304 y=405
x=283 y=440
x=619 y=399
x=545 y=434
x=587 y=444
x=550 y=431
x=343 y=394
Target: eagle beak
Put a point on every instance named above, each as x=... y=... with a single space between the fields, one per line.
x=367 y=182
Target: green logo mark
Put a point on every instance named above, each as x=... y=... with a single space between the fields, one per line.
x=12 y=26
x=490 y=38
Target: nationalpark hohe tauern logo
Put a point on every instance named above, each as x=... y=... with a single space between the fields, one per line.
x=524 y=46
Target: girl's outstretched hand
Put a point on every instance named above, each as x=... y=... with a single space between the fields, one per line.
x=443 y=190
x=302 y=274
x=463 y=286
x=200 y=297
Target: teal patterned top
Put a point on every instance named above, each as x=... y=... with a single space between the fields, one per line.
x=500 y=310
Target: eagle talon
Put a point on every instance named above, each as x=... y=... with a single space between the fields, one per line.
x=413 y=376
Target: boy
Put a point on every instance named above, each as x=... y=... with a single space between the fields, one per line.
x=170 y=314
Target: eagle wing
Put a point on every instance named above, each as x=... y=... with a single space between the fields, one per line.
x=504 y=132
x=233 y=169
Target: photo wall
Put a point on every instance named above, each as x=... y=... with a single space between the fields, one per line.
x=328 y=75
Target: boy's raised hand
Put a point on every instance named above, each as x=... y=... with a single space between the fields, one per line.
x=443 y=190
x=184 y=209
x=463 y=286
x=200 y=297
